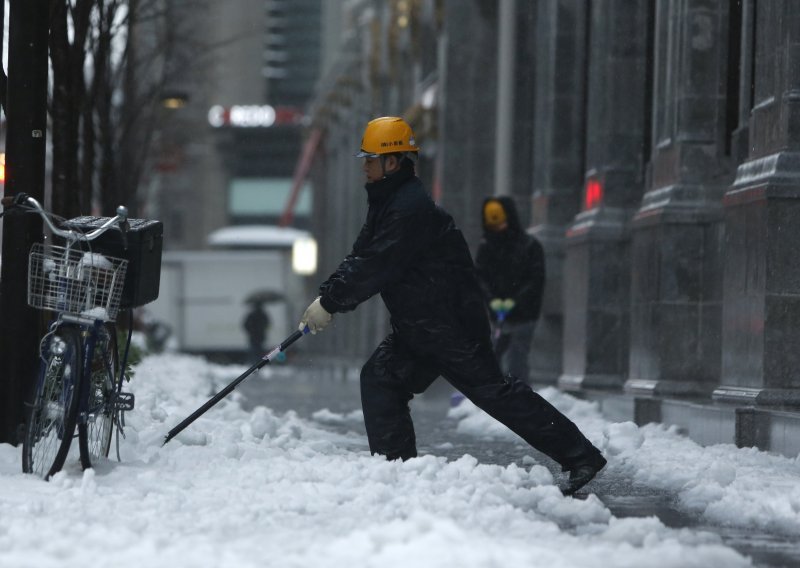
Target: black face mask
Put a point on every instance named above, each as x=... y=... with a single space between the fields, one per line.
x=498 y=236
x=379 y=190
x=403 y=174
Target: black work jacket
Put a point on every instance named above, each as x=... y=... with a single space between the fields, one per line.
x=511 y=264
x=411 y=253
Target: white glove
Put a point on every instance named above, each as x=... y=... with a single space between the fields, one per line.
x=315 y=317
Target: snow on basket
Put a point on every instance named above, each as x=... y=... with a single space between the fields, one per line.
x=75 y=281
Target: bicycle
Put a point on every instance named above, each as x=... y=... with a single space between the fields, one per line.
x=80 y=379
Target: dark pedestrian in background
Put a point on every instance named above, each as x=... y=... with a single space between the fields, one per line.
x=410 y=252
x=511 y=270
x=256 y=324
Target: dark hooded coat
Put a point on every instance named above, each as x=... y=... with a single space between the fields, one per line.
x=511 y=264
x=410 y=252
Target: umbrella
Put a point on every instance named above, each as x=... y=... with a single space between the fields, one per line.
x=264 y=297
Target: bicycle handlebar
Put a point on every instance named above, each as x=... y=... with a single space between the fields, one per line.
x=22 y=200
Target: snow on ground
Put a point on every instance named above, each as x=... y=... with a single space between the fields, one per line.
x=723 y=484
x=241 y=489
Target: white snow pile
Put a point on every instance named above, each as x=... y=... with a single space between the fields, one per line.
x=258 y=489
x=726 y=485
x=96 y=313
x=95 y=260
x=325 y=416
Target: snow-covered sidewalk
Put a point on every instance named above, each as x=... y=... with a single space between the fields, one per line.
x=722 y=484
x=241 y=489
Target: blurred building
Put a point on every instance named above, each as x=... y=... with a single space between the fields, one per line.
x=654 y=148
x=232 y=135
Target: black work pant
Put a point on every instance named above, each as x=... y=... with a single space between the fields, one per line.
x=399 y=369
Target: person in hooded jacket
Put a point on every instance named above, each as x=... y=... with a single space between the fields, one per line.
x=410 y=251
x=511 y=270
x=256 y=324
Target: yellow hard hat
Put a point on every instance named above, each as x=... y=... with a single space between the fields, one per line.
x=386 y=135
x=494 y=216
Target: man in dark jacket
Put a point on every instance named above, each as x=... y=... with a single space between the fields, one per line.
x=411 y=253
x=511 y=270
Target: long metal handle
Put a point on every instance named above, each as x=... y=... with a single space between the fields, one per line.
x=228 y=389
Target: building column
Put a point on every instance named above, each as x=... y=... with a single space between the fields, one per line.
x=558 y=158
x=597 y=267
x=524 y=97
x=677 y=233
x=761 y=288
x=506 y=55
x=468 y=91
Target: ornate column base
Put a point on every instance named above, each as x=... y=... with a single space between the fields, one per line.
x=596 y=300
x=591 y=382
x=765 y=397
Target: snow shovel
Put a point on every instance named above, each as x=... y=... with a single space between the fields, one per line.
x=227 y=390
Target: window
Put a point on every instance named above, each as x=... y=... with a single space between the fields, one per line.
x=263 y=199
x=734 y=72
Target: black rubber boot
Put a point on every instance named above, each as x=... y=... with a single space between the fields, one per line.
x=583 y=473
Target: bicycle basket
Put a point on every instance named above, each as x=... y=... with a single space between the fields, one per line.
x=75 y=281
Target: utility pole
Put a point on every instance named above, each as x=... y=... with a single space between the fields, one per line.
x=25 y=169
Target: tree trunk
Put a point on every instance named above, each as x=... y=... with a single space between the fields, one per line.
x=65 y=157
x=69 y=194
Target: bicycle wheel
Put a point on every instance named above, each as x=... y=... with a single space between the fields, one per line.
x=51 y=420
x=97 y=409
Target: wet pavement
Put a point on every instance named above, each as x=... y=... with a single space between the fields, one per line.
x=307 y=391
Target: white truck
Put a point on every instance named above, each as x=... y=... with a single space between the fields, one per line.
x=203 y=296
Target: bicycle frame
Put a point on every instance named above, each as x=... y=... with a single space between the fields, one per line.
x=89 y=330
x=84 y=289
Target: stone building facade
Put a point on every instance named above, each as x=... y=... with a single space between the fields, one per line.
x=655 y=152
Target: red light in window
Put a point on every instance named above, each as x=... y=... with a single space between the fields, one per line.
x=594 y=194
